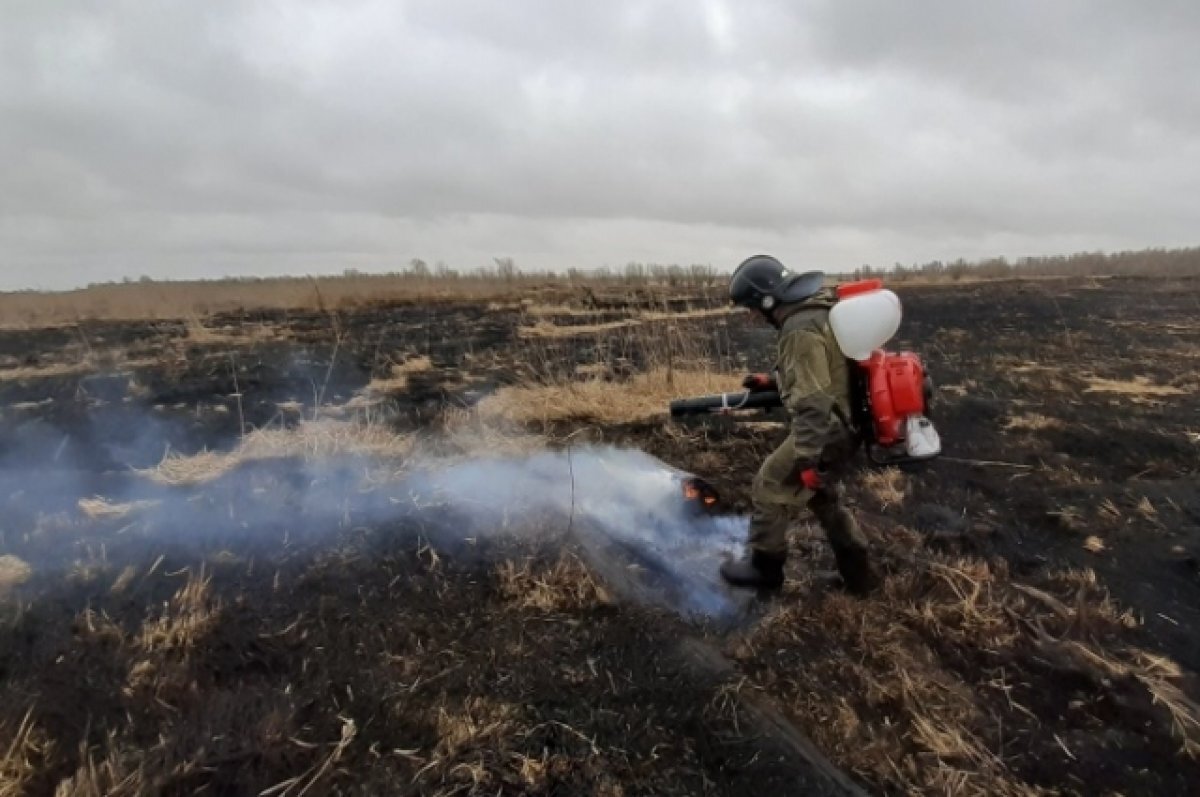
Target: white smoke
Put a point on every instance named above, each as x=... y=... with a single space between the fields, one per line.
x=623 y=508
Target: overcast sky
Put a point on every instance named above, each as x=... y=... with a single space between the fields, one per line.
x=214 y=137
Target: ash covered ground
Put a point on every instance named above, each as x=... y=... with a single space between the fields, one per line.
x=303 y=551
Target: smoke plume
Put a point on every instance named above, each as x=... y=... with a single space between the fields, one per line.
x=622 y=508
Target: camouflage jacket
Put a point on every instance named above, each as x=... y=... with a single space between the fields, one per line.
x=813 y=378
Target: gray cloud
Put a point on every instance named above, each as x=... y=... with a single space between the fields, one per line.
x=179 y=138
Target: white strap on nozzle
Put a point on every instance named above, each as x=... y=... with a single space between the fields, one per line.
x=726 y=406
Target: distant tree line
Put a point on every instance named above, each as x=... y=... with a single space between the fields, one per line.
x=504 y=270
x=1144 y=262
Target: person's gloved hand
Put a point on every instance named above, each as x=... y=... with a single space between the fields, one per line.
x=811 y=479
x=758 y=382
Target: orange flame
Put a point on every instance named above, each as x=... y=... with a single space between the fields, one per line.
x=697 y=490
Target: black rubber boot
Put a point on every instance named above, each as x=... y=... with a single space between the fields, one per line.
x=854 y=567
x=758 y=570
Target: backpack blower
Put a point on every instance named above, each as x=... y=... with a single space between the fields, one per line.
x=891 y=393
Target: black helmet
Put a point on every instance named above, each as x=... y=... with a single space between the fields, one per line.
x=763 y=283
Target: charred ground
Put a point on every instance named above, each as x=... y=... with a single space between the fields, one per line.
x=1038 y=628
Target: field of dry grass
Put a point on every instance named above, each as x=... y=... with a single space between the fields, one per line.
x=576 y=291
x=1035 y=632
x=598 y=399
x=196 y=301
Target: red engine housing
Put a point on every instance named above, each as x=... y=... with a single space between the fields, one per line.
x=896 y=390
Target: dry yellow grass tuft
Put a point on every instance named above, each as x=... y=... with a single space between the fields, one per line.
x=1146 y=508
x=123 y=580
x=1032 y=368
x=19 y=759
x=115 y=361
x=566 y=585
x=1155 y=674
x=198 y=333
x=1069 y=518
x=642 y=396
x=1139 y=386
x=102 y=509
x=1032 y=422
x=466 y=434
x=398 y=377
x=562 y=310
x=481 y=725
x=888 y=486
x=312 y=439
x=684 y=315
x=546 y=329
x=185 y=620
x=46 y=371
x=13 y=572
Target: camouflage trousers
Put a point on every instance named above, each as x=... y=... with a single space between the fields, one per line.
x=778 y=496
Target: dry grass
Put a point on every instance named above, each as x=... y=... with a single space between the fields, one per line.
x=115 y=361
x=1032 y=368
x=506 y=286
x=471 y=737
x=546 y=329
x=688 y=315
x=1146 y=508
x=123 y=580
x=112 y=774
x=1138 y=387
x=565 y=586
x=1032 y=422
x=562 y=310
x=19 y=761
x=290 y=407
x=1185 y=712
x=641 y=397
x=13 y=572
x=157 y=662
x=322 y=438
x=30 y=406
x=1069 y=518
x=398 y=376
x=183 y=622
x=889 y=486
x=46 y=371
x=200 y=299
x=98 y=508
x=198 y=333
x=465 y=433
x=952 y=728
x=934 y=740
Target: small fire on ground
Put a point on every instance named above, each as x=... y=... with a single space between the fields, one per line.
x=700 y=493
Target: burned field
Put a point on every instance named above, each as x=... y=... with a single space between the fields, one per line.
x=417 y=549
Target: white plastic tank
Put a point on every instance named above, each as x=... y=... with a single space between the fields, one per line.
x=865 y=318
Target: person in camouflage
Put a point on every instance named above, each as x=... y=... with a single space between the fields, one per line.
x=804 y=471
